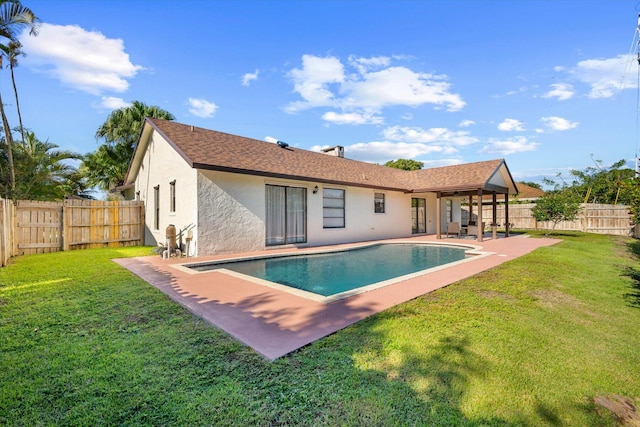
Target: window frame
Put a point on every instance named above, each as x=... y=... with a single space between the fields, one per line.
x=172 y=196
x=338 y=209
x=286 y=212
x=156 y=207
x=379 y=203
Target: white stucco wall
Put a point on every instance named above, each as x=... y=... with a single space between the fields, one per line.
x=160 y=166
x=361 y=222
x=231 y=213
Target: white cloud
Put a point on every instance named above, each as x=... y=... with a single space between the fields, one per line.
x=84 y=60
x=313 y=80
x=352 y=118
x=439 y=136
x=408 y=143
x=381 y=151
x=606 y=77
x=558 y=123
x=249 y=77
x=466 y=123
x=399 y=86
x=561 y=91
x=508 y=146
x=271 y=139
x=111 y=103
x=371 y=86
x=202 y=107
x=517 y=91
x=511 y=125
x=363 y=65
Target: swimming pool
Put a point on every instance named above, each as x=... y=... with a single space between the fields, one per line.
x=341 y=273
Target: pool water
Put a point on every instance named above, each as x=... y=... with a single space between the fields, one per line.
x=336 y=272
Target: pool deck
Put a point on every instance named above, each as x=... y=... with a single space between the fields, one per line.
x=274 y=322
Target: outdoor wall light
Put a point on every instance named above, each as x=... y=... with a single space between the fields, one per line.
x=315 y=189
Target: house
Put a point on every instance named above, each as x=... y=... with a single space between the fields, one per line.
x=239 y=194
x=527 y=193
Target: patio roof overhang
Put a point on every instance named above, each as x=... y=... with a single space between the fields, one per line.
x=464 y=190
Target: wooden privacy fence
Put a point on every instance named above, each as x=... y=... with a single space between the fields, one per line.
x=593 y=218
x=30 y=227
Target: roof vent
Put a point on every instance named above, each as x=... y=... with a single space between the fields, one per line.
x=282 y=144
x=337 y=151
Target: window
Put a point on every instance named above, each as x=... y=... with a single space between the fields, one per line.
x=172 y=196
x=378 y=202
x=156 y=207
x=418 y=216
x=332 y=208
x=450 y=210
x=286 y=215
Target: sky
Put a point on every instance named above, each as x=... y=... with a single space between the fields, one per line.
x=549 y=86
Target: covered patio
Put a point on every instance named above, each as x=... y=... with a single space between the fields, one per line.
x=471 y=183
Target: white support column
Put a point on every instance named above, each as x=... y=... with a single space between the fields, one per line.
x=438 y=216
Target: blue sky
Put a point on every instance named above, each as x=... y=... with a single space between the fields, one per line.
x=547 y=85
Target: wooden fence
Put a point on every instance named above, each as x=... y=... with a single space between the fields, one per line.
x=29 y=227
x=593 y=218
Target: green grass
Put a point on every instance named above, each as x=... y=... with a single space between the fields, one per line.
x=532 y=342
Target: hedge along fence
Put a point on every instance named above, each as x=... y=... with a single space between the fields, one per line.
x=593 y=218
x=31 y=227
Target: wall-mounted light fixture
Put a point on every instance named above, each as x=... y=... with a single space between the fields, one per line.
x=315 y=189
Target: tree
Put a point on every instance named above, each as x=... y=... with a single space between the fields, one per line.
x=13 y=17
x=405 y=164
x=46 y=172
x=601 y=184
x=12 y=51
x=555 y=206
x=107 y=166
x=633 y=186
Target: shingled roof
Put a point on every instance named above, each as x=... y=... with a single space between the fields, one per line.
x=213 y=150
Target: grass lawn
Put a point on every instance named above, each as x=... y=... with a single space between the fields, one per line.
x=531 y=342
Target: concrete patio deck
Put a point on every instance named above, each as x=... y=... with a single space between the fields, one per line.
x=274 y=322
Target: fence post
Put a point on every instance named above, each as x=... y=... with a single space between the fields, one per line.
x=65 y=226
x=3 y=237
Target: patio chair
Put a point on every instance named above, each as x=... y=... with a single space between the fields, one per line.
x=453 y=228
x=473 y=229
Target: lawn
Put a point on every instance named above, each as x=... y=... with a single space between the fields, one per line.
x=531 y=342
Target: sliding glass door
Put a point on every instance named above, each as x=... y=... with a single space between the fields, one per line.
x=286 y=215
x=418 y=216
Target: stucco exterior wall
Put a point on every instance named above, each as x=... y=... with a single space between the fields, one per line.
x=361 y=222
x=231 y=212
x=160 y=166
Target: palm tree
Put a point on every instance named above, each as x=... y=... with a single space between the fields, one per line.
x=124 y=125
x=107 y=166
x=12 y=51
x=46 y=171
x=13 y=17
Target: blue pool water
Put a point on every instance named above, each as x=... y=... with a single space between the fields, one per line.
x=332 y=273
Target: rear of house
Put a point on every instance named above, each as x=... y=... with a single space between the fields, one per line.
x=237 y=194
